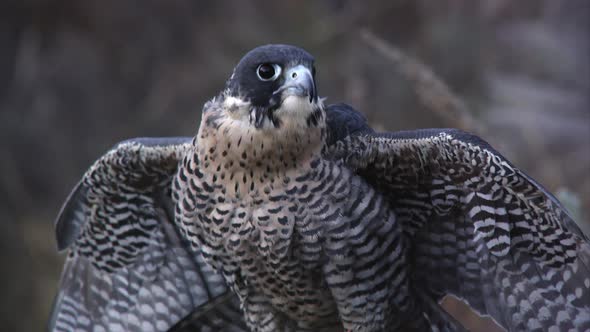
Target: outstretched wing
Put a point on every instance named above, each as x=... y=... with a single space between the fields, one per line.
x=481 y=229
x=127 y=268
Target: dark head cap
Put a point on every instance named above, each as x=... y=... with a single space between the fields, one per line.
x=246 y=82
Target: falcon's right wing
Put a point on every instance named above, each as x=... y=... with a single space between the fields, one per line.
x=127 y=268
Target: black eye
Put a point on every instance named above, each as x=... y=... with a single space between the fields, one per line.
x=268 y=71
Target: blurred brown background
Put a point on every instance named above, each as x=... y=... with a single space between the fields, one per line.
x=78 y=76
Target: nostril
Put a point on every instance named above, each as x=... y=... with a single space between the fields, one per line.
x=294 y=75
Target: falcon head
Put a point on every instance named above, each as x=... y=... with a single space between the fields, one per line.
x=273 y=86
x=269 y=113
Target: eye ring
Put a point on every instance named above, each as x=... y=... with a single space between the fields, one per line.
x=268 y=72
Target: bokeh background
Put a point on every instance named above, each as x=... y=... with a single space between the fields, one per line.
x=78 y=76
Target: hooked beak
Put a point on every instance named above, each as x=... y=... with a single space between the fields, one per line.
x=298 y=82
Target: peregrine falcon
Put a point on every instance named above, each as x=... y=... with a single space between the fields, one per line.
x=284 y=214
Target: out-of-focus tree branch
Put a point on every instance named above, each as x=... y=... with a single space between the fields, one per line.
x=431 y=91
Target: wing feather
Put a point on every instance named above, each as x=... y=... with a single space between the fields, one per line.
x=481 y=229
x=128 y=269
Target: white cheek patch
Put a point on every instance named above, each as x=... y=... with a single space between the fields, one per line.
x=236 y=105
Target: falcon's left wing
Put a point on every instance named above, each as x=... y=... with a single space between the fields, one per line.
x=480 y=228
